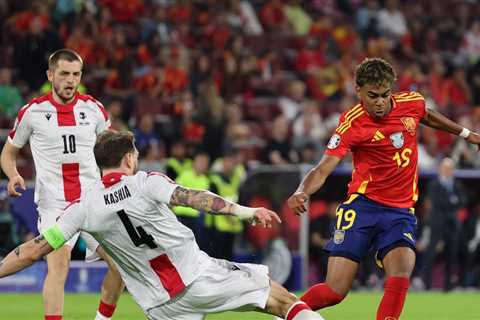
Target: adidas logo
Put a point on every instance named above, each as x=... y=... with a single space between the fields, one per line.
x=377 y=136
x=409 y=236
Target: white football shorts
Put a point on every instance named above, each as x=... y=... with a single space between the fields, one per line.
x=47 y=216
x=224 y=286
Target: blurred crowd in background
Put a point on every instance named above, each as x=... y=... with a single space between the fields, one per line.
x=233 y=84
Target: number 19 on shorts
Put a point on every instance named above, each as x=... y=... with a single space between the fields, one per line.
x=345 y=219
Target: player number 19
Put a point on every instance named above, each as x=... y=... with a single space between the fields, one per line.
x=347 y=216
x=403 y=158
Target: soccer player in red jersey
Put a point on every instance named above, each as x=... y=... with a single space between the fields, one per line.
x=381 y=132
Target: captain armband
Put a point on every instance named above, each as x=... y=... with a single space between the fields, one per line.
x=54 y=237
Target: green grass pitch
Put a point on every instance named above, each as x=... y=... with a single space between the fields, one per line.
x=357 y=306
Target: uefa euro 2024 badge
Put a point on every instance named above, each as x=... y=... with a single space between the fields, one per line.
x=338 y=236
x=397 y=139
x=334 y=141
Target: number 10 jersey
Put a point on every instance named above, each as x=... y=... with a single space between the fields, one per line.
x=61 y=139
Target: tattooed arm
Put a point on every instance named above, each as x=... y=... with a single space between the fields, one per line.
x=210 y=202
x=24 y=255
x=201 y=200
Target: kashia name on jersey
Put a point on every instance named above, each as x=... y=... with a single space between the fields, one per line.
x=117 y=196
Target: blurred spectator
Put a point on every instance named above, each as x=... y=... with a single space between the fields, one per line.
x=273 y=17
x=278 y=150
x=33 y=46
x=226 y=182
x=145 y=134
x=10 y=97
x=446 y=197
x=291 y=103
x=211 y=114
x=309 y=154
x=471 y=236
x=150 y=158
x=244 y=15
x=367 y=19
x=457 y=91
x=464 y=155
x=201 y=71
x=391 y=22
x=308 y=127
x=115 y=111
x=178 y=162
x=196 y=178
x=297 y=17
x=471 y=43
x=321 y=229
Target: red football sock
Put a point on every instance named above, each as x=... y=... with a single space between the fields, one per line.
x=393 y=298
x=295 y=309
x=57 y=317
x=106 y=309
x=320 y=296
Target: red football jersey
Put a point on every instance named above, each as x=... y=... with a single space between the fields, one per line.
x=384 y=151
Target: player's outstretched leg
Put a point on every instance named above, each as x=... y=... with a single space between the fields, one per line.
x=58 y=263
x=340 y=274
x=112 y=288
x=286 y=305
x=398 y=264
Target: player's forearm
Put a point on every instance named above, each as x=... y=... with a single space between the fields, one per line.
x=313 y=181
x=316 y=177
x=8 y=160
x=202 y=200
x=436 y=120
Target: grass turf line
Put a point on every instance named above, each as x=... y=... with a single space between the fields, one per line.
x=357 y=306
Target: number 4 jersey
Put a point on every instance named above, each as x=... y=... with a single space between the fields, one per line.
x=61 y=139
x=384 y=151
x=129 y=216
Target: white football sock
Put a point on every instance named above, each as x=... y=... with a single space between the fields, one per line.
x=305 y=314
x=308 y=315
x=101 y=317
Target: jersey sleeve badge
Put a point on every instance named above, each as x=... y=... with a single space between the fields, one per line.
x=334 y=142
x=409 y=124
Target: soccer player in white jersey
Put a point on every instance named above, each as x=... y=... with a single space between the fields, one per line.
x=61 y=128
x=128 y=213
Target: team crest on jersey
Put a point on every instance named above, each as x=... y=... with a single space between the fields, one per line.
x=338 y=236
x=334 y=142
x=83 y=119
x=397 y=139
x=409 y=124
x=48 y=116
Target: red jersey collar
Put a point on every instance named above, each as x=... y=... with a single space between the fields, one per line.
x=112 y=178
x=59 y=105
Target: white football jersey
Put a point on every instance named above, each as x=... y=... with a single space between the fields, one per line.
x=129 y=216
x=61 y=138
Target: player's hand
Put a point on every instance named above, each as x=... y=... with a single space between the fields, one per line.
x=13 y=184
x=474 y=138
x=265 y=217
x=298 y=202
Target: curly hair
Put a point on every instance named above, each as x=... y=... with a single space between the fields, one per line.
x=375 y=71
